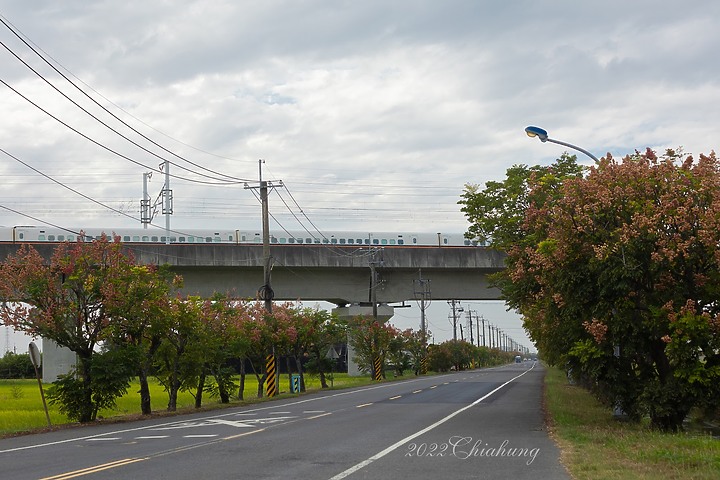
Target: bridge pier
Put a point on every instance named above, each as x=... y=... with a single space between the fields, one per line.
x=384 y=313
x=56 y=360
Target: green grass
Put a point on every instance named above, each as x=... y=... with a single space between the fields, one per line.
x=21 y=407
x=597 y=446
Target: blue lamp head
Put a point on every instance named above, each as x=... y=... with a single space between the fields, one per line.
x=537 y=132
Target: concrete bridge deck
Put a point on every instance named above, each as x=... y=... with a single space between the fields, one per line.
x=340 y=275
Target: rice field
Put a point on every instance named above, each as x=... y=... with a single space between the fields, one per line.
x=21 y=406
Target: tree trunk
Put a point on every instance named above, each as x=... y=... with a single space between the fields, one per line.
x=143 y=374
x=199 y=391
x=241 y=390
x=87 y=409
x=145 y=405
x=289 y=373
x=298 y=364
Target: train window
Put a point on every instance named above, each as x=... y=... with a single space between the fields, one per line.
x=445 y=241
x=342 y=241
x=375 y=241
x=401 y=241
x=145 y=238
x=208 y=239
x=392 y=241
x=126 y=238
x=383 y=241
x=291 y=240
x=309 y=240
x=325 y=240
x=359 y=241
x=351 y=241
x=71 y=238
x=231 y=238
x=136 y=238
x=173 y=239
x=154 y=238
x=367 y=241
x=51 y=238
x=162 y=239
x=333 y=241
x=21 y=236
x=41 y=237
x=182 y=239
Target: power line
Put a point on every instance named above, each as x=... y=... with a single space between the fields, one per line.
x=236 y=179
x=104 y=146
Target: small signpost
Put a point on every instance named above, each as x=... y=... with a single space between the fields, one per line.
x=36 y=361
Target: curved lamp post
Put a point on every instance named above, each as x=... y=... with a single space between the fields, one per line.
x=543 y=136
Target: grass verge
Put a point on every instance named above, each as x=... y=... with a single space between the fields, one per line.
x=21 y=408
x=595 y=445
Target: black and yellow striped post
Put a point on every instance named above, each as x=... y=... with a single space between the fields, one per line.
x=377 y=369
x=271 y=380
x=424 y=365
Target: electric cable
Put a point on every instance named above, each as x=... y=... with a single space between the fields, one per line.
x=12 y=29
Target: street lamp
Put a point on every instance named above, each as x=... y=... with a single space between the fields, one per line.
x=543 y=136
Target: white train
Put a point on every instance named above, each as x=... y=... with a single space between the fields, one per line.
x=35 y=234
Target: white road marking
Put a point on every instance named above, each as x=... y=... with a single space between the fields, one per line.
x=407 y=439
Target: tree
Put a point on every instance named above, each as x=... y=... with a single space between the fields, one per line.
x=370 y=339
x=65 y=302
x=180 y=358
x=16 y=365
x=328 y=331
x=138 y=303
x=618 y=273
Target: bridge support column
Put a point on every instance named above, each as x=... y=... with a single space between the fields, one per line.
x=56 y=360
x=384 y=313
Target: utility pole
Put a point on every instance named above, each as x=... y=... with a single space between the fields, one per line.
x=455 y=310
x=167 y=201
x=374 y=281
x=483 y=325
x=470 y=326
x=145 y=215
x=422 y=292
x=265 y=292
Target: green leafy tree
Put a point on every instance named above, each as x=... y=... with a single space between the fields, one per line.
x=138 y=302
x=618 y=274
x=16 y=365
x=327 y=332
x=180 y=358
x=370 y=339
x=65 y=301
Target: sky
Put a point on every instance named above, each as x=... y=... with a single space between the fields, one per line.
x=374 y=115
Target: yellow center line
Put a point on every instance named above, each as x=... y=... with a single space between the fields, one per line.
x=95 y=469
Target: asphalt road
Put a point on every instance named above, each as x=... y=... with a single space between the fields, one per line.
x=480 y=424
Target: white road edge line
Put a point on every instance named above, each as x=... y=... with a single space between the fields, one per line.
x=405 y=440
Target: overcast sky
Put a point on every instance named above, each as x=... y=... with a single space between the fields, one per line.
x=373 y=113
